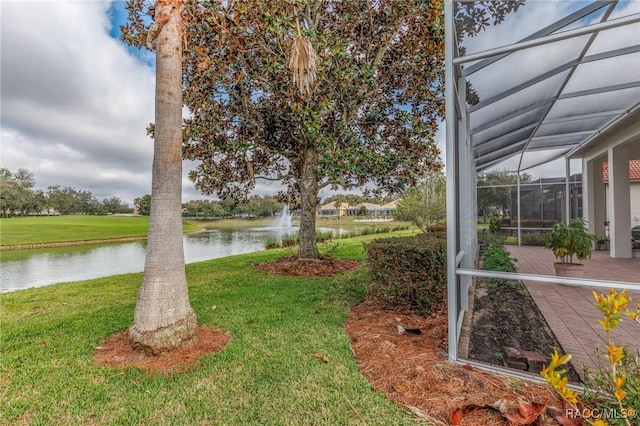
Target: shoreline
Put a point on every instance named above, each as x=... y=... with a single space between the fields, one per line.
x=70 y=243
x=82 y=242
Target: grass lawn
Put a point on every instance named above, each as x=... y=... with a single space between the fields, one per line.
x=48 y=229
x=268 y=374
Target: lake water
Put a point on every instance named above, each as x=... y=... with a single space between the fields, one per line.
x=20 y=269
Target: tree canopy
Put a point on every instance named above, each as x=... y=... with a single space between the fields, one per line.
x=425 y=205
x=370 y=118
x=494 y=189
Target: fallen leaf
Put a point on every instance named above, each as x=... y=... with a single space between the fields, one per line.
x=398 y=388
x=458 y=413
x=325 y=358
x=468 y=367
x=527 y=414
x=456 y=416
x=214 y=307
x=317 y=355
x=532 y=409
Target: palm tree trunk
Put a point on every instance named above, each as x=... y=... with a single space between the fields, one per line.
x=163 y=319
x=308 y=203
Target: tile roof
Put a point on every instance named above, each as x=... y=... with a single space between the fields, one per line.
x=634 y=170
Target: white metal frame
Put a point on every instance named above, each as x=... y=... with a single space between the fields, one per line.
x=462 y=164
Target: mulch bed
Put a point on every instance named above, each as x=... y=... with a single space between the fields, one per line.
x=116 y=352
x=413 y=370
x=506 y=315
x=323 y=267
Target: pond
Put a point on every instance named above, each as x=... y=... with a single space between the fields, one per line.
x=20 y=269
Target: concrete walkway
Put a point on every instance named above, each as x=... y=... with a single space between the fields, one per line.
x=570 y=310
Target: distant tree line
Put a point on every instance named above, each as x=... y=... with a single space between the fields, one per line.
x=255 y=206
x=19 y=197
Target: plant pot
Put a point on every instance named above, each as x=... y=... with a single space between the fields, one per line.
x=573 y=270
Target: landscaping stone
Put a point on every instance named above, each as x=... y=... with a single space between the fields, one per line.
x=535 y=361
x=515 y=365
x=512 y=354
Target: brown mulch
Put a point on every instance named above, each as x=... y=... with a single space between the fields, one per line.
x=323 y=267
x=413 y=370
x=116 y=352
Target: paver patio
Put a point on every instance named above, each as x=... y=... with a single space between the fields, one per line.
x=570 y=310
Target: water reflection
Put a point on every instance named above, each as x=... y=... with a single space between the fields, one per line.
x=20 y=269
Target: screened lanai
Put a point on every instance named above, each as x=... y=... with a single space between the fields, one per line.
x=558 y=86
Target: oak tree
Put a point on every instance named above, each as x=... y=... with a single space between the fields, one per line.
x=367 y=118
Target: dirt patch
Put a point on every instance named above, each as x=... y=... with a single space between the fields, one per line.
x=323 y=267
x=504 y=314
x=116 y=352
x=413 y=370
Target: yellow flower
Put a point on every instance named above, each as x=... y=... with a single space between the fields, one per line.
x=614 y=353
x=620 y=394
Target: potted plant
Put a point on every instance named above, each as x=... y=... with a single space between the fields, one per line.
x=567 y=241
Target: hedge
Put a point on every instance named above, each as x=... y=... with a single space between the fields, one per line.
x=408 y=272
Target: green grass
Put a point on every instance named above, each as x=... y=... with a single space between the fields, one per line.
x=48 y=229
x=267 y=375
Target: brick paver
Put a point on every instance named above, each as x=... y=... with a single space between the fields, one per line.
x=570 y=310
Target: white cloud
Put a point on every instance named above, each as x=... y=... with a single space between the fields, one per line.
x=75 y=103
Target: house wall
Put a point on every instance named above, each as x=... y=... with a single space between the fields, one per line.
x=635 y=204
x=634 y=193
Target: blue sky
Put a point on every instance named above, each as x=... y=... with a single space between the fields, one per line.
x=117 y=13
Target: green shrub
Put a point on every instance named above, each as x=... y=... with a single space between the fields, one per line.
x=289 y=240
x=271 y=242
x=322 y=236
x=496 y=258
x=408 y=272
x=495 y=223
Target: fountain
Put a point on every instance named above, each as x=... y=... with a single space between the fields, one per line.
x=285 y=219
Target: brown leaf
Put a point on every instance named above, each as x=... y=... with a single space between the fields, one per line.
x=456 y=416
x=533 y=409
x=325 y=358
x=528 y=414
x=398 y=388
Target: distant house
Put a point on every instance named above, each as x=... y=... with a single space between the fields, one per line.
x=389 y=208
x=360 y=209
x=330 y=209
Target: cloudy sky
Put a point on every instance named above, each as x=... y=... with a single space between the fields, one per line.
x=75 y=101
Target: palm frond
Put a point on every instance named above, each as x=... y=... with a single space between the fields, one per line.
x=303 y=64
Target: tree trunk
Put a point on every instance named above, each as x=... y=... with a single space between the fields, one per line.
x=308 y=203
x=163 y=319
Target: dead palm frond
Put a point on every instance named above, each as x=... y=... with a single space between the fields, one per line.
x=302 y=62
